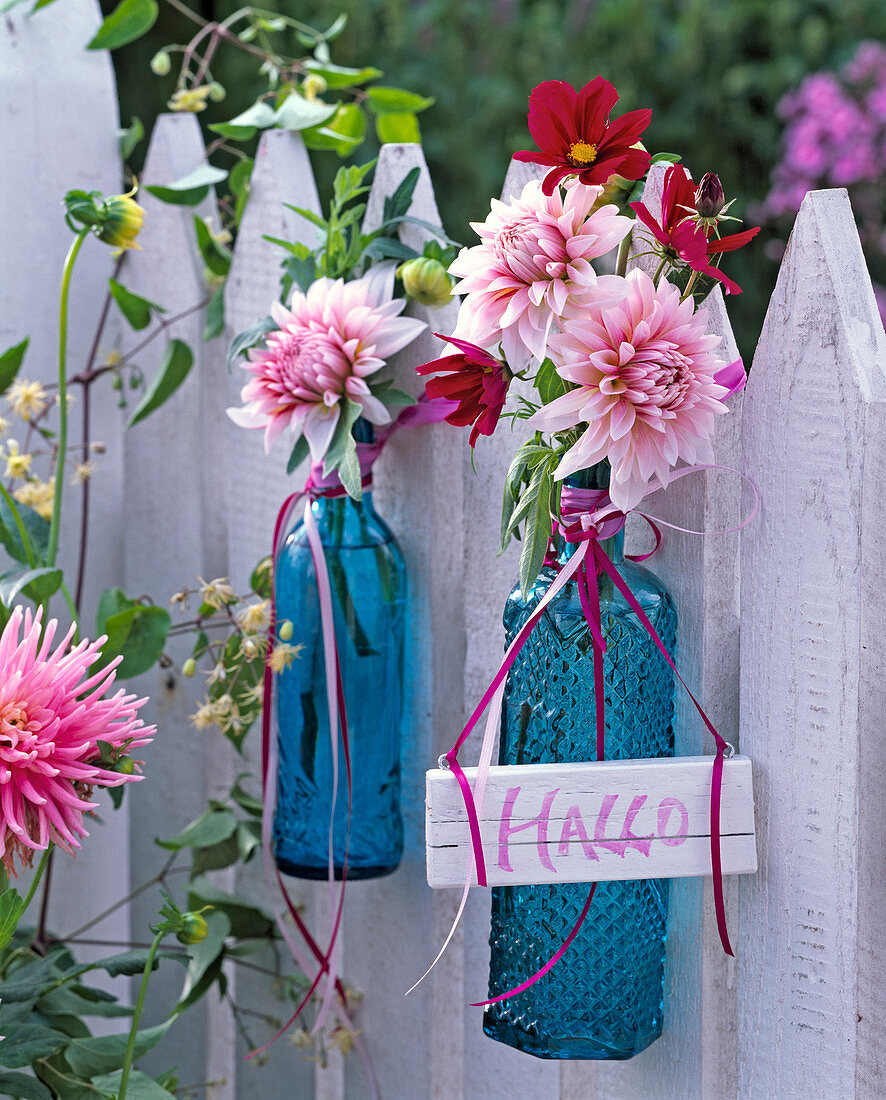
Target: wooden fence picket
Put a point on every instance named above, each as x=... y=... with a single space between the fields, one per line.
x=813 y=695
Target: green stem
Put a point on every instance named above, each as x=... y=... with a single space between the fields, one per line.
x=659 y=270
x=67 y=272
x=136 y=1015
x=693 y=279
x=35 y=881
x=621 y=264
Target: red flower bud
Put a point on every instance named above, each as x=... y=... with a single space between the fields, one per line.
x=709 y=197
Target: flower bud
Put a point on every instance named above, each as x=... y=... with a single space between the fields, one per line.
x=313 y=85
x=192 y=929
x=709 y=197
x=161 y=63
x=285 y=631
x=217 y=92
x=189 y=667
x=122 y=221
x=427 y=281
x=125 y=766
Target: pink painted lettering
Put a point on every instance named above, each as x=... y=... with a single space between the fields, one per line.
x=574 y=828
x=506 y=830
x=665 y=809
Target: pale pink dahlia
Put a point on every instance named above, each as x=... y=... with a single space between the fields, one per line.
x=52 y=716
x=330 y=341
x=644 y=375
x=533 y=263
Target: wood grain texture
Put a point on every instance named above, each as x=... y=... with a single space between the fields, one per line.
x=49 y=143
x=812 y=926
x=174 y=522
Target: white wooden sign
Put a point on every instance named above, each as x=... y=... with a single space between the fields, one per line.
x=589 y=822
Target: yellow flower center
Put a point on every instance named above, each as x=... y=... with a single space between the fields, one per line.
x=582 y=154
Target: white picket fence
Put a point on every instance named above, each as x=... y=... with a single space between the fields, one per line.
x=797 y=596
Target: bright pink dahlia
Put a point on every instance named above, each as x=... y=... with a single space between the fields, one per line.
x=644 y=376
x=330 y=341
x=534 y=262
x=52 y=716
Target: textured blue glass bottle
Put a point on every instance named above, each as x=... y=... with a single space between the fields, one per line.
x=368 y=582
x=604 y=999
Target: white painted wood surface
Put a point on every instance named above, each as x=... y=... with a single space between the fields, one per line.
x=58 y=120
x=592 y=822
x=813 y=922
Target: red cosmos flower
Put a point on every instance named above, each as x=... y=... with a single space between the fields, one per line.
x=477 y=381
x=574 y=134
x=679 y=234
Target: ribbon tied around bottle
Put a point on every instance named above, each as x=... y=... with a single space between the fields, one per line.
x=587 y=517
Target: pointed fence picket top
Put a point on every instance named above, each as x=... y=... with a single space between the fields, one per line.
x=174 y=524
x=812 y=931
x=258 y=481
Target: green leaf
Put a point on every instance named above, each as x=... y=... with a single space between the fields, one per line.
x=106 y=1053
x=129 y=138
x=72 y=1001
x=128 y=21
x=248 y=839
x=260 y=116
x=209 y=828
x=299 y=453
x=191 y=188
x=20 y=1084
x=321 y=137
x=26 y=1041
x=308 y=215
x=349 y=412
x=138 y=634
x=538 y=526
x=215 y=255
x=398 y=204
x=244 y=799
x=240 y=183
x=27 y=982
x=349 y=470
x=298 y=113
x=58 y=1075
x=339 y=76
x=36 y=584
x=549 y=383
x=173 y=371
x=249 y=338
x=203 y=955
x=216 y=856
x=110 y=602
x=387 y=248
x=398 y=129
x=247 y=920
x=11 y=906
x=135 y=309
x=129 y=963
x=383 y=100
x=215 y=314
x=345 y=131
x=36 y=527
x=10 y=362
x=139 y=1086
x=390 y=396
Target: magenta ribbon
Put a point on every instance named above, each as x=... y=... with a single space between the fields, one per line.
x=425 y=411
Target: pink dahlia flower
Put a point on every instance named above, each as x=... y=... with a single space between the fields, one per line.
x=644 y=371
x=330 y=341
x=533 y=263
x=52 y=716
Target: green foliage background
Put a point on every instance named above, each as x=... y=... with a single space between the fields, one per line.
x=712 y=70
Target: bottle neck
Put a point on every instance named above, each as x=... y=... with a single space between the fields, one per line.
x=594 y=479
x=613 y=548
x=343 y=519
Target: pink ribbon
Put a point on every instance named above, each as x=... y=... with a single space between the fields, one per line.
x=425 y=411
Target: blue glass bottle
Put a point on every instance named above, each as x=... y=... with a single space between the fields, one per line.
x=603 y=1000
x=368 y=582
